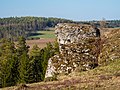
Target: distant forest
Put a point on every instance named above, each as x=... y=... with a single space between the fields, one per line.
x=108 y=23
x=13 y=27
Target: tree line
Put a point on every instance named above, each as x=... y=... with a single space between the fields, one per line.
x=18 y=64
x=104 y=23
x=13 y=27
x=30 y=23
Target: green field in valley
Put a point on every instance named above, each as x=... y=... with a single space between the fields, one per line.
x=42 y=34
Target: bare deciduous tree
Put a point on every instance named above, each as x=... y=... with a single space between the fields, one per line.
x=102 y=23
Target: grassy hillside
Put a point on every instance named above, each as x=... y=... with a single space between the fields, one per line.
x=105 y=77
x=101 y=78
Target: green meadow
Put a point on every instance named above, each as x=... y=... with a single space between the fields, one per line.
x=42 y=34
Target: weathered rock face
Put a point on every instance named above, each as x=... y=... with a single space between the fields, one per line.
x=73 y=33
x=79 y=49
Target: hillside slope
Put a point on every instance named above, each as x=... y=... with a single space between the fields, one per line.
x=105 y=77
x=101 y=78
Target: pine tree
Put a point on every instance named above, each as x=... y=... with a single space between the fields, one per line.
x=8 y=63
x=22 y=53
x=48 y=53
x=56 y=47
x=35 y=65
x=21 y=46
x=17 y=66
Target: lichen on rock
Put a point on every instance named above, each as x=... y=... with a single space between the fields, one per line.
x=79 y=47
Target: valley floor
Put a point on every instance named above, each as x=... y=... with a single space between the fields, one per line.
x=40 y=42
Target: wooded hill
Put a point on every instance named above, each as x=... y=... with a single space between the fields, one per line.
x=107 y=23
x=13 y=27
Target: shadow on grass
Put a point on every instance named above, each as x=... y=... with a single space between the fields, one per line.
x=35 y=34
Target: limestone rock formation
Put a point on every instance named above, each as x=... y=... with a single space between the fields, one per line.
x=79 y=49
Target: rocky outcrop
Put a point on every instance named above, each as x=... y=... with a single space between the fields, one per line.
x=79 y=49
x=73 y=33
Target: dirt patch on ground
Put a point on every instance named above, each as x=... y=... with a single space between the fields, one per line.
x=40 y=42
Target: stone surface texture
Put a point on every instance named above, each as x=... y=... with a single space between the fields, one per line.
x=79 y=49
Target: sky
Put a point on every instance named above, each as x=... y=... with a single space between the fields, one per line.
x=77 y=10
